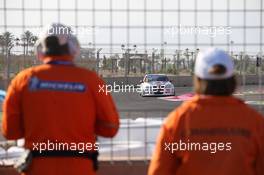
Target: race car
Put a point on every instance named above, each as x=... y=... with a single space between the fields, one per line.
x=156 y=85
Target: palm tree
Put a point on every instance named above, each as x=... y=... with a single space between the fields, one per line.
x=7 y=43
x=2 y=44
x=28 y=40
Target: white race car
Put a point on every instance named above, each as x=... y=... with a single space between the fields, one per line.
x=156 y=85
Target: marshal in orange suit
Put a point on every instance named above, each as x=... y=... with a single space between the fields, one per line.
x=214 y=133
x=58 y=102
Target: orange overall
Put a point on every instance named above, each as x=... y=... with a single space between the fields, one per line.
x=58 y=103
x=232 y=131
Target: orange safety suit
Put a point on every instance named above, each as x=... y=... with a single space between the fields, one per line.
x=59 y=103
x=210 y=135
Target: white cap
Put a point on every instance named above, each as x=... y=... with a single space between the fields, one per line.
x=64 y=35
x=207 y=59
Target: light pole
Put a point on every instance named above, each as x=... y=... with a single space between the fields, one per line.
x=153 y=60
x=8 y=62
x=145 y=58
x=127 y=57
x=231 y=47
x=98 y=60
x=187 y=56
x=131 y=62
x=241 y=64
x=178 y=52
x=90 y=50
x=18 y=43
x=163 y=46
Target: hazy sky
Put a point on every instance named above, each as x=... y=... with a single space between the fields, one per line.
x=153 y=20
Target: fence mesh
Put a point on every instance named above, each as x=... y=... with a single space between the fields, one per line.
x=138 y=36
x=134 y=37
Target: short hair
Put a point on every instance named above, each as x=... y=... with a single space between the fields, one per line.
x=54 y=48
x=221 y=87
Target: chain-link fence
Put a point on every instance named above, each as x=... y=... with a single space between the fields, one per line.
x=126 y=38
x=131 y=38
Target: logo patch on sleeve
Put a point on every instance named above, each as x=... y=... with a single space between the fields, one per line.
x=36 y=84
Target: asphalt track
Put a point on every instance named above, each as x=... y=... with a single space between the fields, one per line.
x=132 y=105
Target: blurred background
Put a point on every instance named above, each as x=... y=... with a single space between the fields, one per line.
x=122 y=40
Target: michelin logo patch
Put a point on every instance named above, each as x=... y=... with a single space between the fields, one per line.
x=37 y=84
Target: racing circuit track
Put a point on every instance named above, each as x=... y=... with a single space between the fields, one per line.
x=132 y=102
x=132 y=105
x=141 y=118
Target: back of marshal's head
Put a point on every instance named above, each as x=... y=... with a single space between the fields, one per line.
x=57 y=40
x=214 y=73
